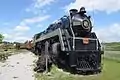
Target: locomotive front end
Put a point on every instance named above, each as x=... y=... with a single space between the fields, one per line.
x=80 y=23
x=85 y=54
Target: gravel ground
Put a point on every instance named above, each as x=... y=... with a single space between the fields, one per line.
x=18 y=67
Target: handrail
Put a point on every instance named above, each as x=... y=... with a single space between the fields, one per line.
x=72 y=34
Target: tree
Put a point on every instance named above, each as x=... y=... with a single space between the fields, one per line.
x=1 y=38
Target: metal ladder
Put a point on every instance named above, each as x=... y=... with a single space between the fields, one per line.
x=65 y=41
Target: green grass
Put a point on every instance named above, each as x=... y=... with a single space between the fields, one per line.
x=57 y=74
x=114 y=55
x=111 y=71
x=114 y=46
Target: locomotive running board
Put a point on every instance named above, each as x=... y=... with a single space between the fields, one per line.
x=57 y=32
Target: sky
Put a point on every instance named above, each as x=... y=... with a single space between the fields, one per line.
x=21 y=19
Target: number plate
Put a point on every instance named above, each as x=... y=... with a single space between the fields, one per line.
x=85 y=40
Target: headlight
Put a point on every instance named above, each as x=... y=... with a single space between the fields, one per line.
x=86 y=24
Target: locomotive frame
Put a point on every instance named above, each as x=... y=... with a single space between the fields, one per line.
x=76 y=54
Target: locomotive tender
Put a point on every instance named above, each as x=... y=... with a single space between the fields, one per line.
x=71 y=43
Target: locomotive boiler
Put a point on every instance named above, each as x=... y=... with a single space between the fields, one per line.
x=70 y=44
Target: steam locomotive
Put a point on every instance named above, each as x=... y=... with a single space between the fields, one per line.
x=70 y=44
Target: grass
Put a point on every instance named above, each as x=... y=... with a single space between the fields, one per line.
x=114 y=46
x=111 y=71
x=57 y=74
x=114 y=55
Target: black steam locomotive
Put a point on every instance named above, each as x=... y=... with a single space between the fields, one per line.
x=70 y=44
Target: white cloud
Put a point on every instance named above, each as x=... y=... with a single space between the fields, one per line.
x=18 y=32
x=42 y=3
x=34 y=19
x=37 y=7
x=21 y=39
x=16 y=37
x=21 y=28
x=110 y=33
x=97 y=5
x=7 y=36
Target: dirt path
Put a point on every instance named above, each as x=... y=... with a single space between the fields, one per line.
x=18 y=67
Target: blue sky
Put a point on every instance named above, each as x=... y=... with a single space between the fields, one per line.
x=21 y=19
